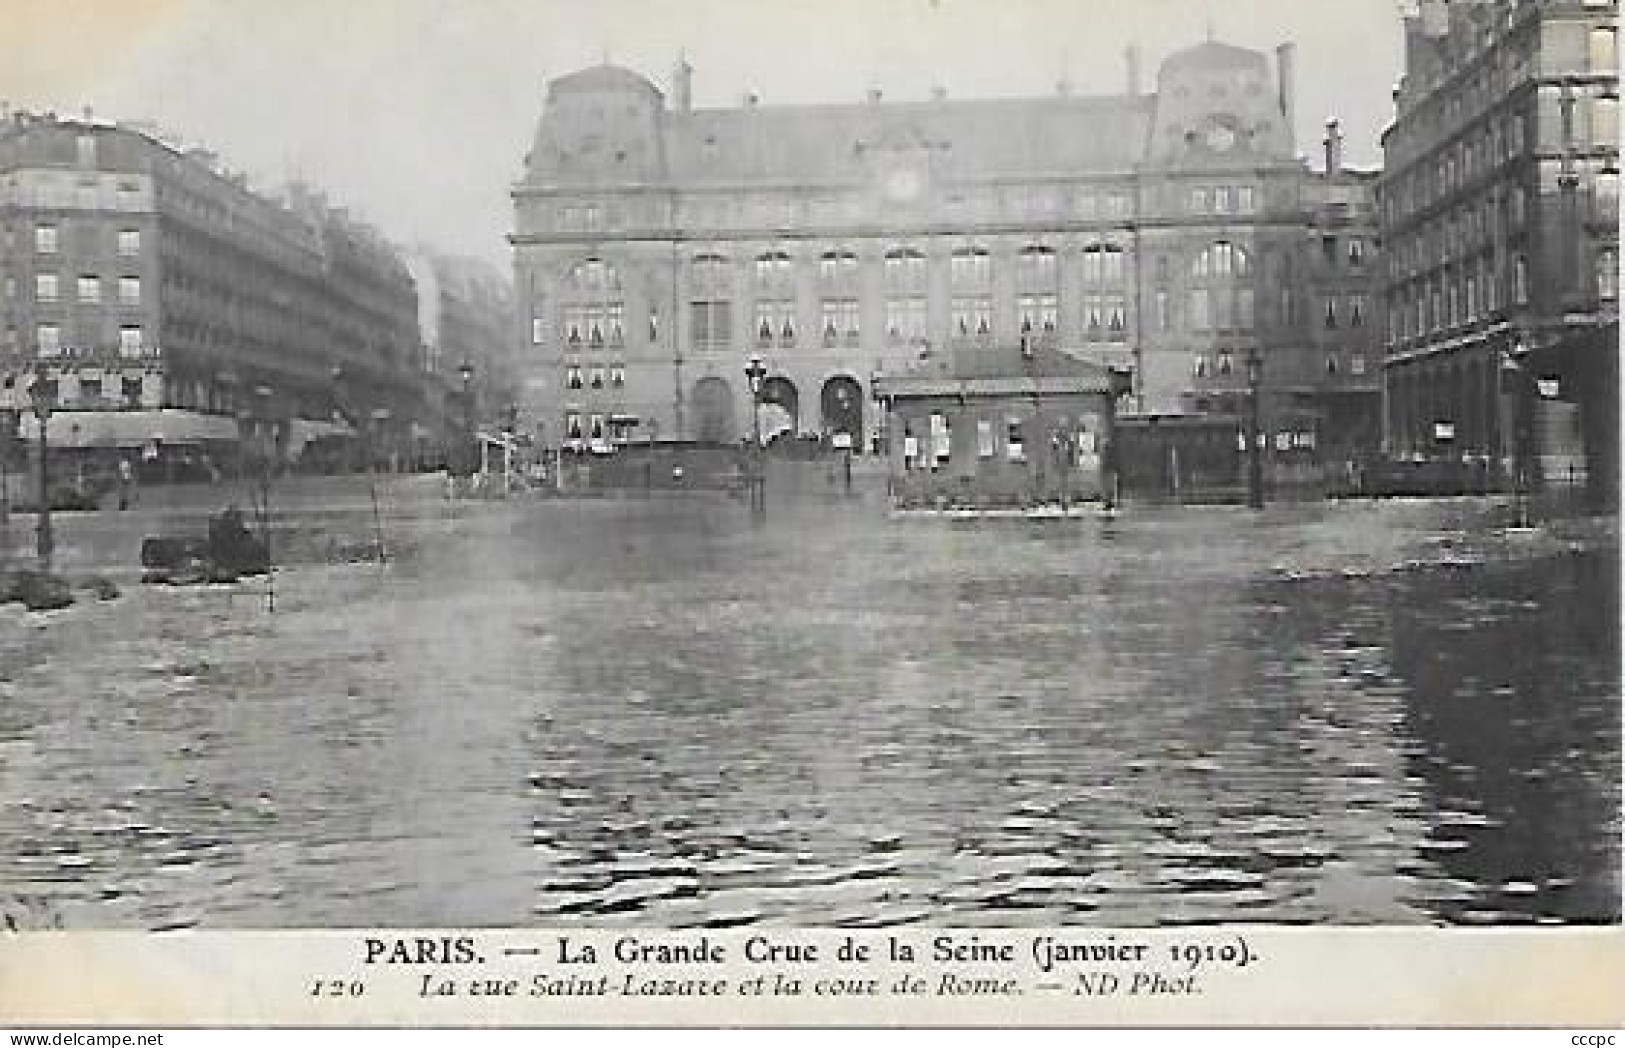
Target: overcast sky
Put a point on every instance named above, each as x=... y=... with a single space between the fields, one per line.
x=418 y=113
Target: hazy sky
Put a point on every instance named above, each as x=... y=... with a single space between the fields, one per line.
x=417 y=113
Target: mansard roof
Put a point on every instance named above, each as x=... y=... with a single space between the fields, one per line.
x=1212 y=54
x=971 y=138
x=603 y=79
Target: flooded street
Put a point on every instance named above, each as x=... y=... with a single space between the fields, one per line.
x=650 y=712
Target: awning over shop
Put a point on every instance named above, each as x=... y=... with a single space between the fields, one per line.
x=129 y=429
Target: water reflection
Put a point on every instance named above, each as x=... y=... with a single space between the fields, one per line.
x=652 y=713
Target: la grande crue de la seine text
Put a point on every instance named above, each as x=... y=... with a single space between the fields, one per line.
x=575 y=957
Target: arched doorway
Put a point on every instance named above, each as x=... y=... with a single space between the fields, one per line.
x=781 y=410
x=714 y=412
x=841 y=404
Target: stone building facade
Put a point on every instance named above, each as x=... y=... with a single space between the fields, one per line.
x=172 y=305
x=466 y=317
x=657 y=246
x=1499 y=207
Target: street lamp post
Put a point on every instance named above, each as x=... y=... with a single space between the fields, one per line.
x=1512 y=452
x=42 y=394
x=5 y=474
x=1255 y=453
x=465 y=371
x=755 y=373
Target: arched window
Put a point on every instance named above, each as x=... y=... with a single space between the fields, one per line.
x=774 y=272
x=1037 y=269
x=970 y=269
x=1103 y=264
x=1105 y=298
x=712 y=275
x=593 y=275
x=838 y=270
x=905 y=270
x=1221 y=259
x=775 y=300
x=591 y=313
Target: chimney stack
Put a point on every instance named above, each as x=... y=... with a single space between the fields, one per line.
x=1286 y=73
x=1334 y=147
x=682 y=85
x=1131 y=63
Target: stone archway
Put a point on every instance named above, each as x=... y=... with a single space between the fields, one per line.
x=714 y=412
x=781 y=407
x=841 y=405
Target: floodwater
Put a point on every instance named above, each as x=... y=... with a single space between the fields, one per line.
x=652 y=712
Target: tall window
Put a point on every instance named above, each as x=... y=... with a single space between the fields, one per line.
x=1608 y=275
x=905 y=270
x=711 y=310
x=838 y=271
x=129 y=242
x=1105 y=271
x=775 y=323
x=1038 y=283
x=775 y=300
x=1201 y=309
x=1103 y=265
x=591 y=313
x=1221 y=297
x=970 y=278
x=1037 y=269
x=711 y=323
x=839 y=321
x=1605 y=121
x=90 y=289
x=970 y=269
x=1038 y=314
x=592 y=326
x=129 y=341
x=50 y=340
x=971 y=315
x=45 y=239
x=594 y=274
x=774 y=273
x=1604 y=51
x=1221 y=259
x=46 y=287
x=905 y=318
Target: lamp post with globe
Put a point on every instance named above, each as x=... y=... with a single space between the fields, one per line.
x=42 y=397
x=755 y=373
